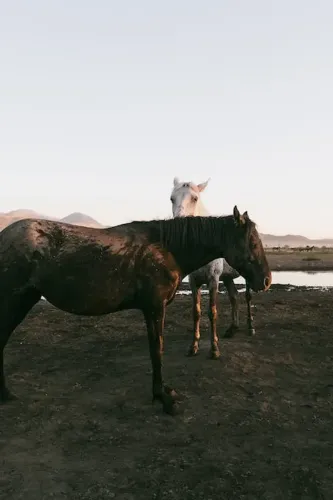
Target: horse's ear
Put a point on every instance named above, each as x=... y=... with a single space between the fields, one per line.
x=203 y=185
x=239 y=219
x=246 y=216
x=236 y=213
x=175 y=182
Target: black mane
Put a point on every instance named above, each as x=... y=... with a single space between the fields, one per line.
x=187 y=231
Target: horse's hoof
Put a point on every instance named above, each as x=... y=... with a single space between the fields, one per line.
x=6 y=396
x=171 y=392
x=166 y=396
x=252 y=332
x=169 y=402
x=170 y=408
x=214 y=354
x=230 y=332
x=193 y=351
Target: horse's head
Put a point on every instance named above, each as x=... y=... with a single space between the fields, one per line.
x=245 y=252
x=185 y=198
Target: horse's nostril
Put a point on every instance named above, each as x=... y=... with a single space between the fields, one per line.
x=267 y=282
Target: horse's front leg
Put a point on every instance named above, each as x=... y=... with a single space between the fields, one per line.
x=196 y=314
x=250 y=319
x=212 y=313
x=155 y=325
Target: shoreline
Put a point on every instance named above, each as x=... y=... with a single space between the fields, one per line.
x=275 y=287
x=320 y=267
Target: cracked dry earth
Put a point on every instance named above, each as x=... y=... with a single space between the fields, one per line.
x=256 y=424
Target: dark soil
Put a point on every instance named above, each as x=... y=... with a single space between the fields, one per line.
x=257 y=424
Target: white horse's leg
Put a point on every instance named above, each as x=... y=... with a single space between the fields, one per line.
x=233 y=297
x=196 y=312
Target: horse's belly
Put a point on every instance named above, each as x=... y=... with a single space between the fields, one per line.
x=89 y=301
x=84 y=308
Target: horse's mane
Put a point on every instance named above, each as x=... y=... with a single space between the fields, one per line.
x=187 y=231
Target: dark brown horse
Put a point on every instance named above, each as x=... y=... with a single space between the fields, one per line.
x=138 y=265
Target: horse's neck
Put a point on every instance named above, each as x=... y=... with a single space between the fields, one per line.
x=208 y=245
x=200 y=209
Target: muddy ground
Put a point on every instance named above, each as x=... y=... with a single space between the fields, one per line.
x=257 y=424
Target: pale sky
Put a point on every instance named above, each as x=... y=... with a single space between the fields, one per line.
x=103 y=102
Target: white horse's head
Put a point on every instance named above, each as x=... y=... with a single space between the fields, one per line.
x=185 y=198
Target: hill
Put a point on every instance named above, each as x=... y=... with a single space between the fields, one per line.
x=10 y=217
x=75 y=218
x=80 y=219
x=294 y=240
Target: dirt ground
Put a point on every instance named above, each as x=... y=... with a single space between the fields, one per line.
x=256 y=424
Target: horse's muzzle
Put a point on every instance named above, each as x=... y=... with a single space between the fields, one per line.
x=258 y=286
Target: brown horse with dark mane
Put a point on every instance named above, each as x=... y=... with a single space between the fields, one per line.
x=138 y=265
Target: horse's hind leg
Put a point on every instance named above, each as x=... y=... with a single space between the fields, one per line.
x=250 y=319
x=233 y=297
x=196 y=313
x=12 y=312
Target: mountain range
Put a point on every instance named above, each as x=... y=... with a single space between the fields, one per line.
x=76 y=218
x=80 y=219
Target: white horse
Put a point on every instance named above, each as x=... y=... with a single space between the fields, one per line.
x=185 y=199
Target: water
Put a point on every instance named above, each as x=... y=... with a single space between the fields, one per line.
x=297 y=278
x=302 y=278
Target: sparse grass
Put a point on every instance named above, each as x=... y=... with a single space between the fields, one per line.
x=288 y=259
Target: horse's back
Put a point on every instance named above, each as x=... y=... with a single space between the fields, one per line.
x=37 y=233
x=17 y=248
x=28 y=241
x=207 y=273
x=218 y=268
x=18 y=238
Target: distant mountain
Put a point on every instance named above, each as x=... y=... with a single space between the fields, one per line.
x=75 y=218
x=22 y=213
x=10 y=217
x=80 y=219
x=294 y=240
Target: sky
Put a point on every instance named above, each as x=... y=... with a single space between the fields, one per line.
x=103 y=103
